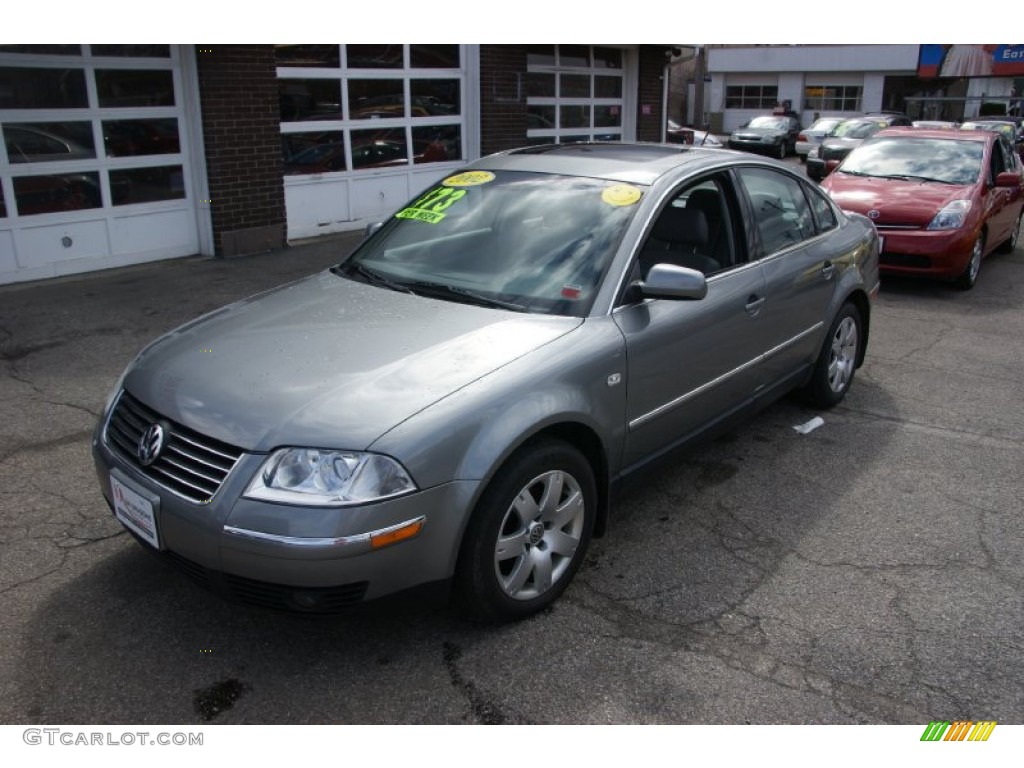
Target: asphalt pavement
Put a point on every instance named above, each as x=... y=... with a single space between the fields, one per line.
x=870 y=571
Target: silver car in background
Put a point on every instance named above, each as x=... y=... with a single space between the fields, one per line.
x=811 y=137
x=456 y=401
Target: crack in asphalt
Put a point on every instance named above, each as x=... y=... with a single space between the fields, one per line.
x=485 y=711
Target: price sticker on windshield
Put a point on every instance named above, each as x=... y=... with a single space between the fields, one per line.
x=621 y=194
x=430 y=208
x=468 y=179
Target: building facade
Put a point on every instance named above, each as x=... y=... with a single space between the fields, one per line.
x=840 y=80
x=121 y=154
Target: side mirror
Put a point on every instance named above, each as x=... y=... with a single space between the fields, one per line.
x=667 y=281
x=1008 y=179
x=372 y=229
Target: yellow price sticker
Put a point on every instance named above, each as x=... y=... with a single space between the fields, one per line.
x=621 y=194
x=468 y=179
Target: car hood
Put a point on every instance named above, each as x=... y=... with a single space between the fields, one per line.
x=327 y=362
x=762 y=133
x=910 y=203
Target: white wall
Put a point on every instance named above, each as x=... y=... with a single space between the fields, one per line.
x=892 y=59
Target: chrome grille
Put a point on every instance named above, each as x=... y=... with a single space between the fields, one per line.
x=190 y=465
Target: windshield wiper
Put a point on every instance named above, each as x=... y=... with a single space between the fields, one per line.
x=912 y=177
x=374 y=278
x=464 y=294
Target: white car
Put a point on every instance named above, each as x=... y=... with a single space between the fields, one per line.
x=811 y=137
x=675 y=134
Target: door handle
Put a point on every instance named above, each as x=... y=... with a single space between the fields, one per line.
x=827 y=270
x=754 y=303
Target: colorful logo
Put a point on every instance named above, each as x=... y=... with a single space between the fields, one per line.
x=959 y=730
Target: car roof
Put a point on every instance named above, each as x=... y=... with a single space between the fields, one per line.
x=637 y=163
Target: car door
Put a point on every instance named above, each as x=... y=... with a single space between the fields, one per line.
x=691 y=362
x=1000 y=202
x=792 y=248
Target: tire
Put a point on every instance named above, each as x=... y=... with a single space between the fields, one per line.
x=780 y=151
x=1010 y=243
x=969 y=278
x=528 y=533
x=837 y=361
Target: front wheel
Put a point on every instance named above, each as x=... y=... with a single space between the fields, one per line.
x=528 y=534
x=1011 y=242
x=967 y=280
x=781 y=150
x=837 y=362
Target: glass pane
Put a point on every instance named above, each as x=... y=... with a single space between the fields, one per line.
x=49 y=50
x=309 y=100
x=43 y=142
x=147 y=185
x=24 y=88
x=607 y=116
x=127 y=138
x=539 y=140
x=575 y=86
x=3 y=205
x=543 y=55
x=321 y=152
x=571 y=139
x=135 y=87
x=608 y=137
x=574 y=56
x=540 y=84
x=606 y=87
x=434 y=97
x=540 y=116
x=144 y=51
x=436 y=144
x=575 y=116
x=50 y=194
x=434 y=56
x=379 y=149
x=375 y=98
x=610 y=58
x=307 y=56
x=374 y=56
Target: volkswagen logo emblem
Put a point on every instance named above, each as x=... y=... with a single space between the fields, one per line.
x=873 y=214
x=150 y=445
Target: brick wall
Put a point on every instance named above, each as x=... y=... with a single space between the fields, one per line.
x=241 y=130
x=502 y=97
x=652 y=65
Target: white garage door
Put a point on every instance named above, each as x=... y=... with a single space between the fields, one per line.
x=95 y=162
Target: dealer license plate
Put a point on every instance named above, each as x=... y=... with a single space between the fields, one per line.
x=136 y=512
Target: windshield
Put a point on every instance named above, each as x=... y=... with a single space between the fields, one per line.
x=944 y=160
x=529 y=242
x=856 y=129
x=1004 y=128
x=825 y=124
x=769 y=122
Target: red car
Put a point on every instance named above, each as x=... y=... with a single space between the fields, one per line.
x=942 y=200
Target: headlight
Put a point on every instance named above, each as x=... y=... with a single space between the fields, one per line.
x=320 y=478
x=815 y=152
x=952 y=216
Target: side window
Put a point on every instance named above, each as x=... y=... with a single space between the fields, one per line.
x=998 y=163
x=781 y=213
x=694 y=230
x=824 y=216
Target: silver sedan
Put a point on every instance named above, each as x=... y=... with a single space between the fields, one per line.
x=455 y=403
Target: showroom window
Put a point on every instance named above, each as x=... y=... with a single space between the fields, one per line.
x=833 y=98
x=88 y=127
x=751 y=96
x=370 y=107
x=574 y=93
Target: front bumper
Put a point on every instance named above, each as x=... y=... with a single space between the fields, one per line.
x=298 y=558
x=754 y=145
x=941 y=254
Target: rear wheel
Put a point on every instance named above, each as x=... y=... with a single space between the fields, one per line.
x=967 y=280
x=837 y=362
x=528 y=534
